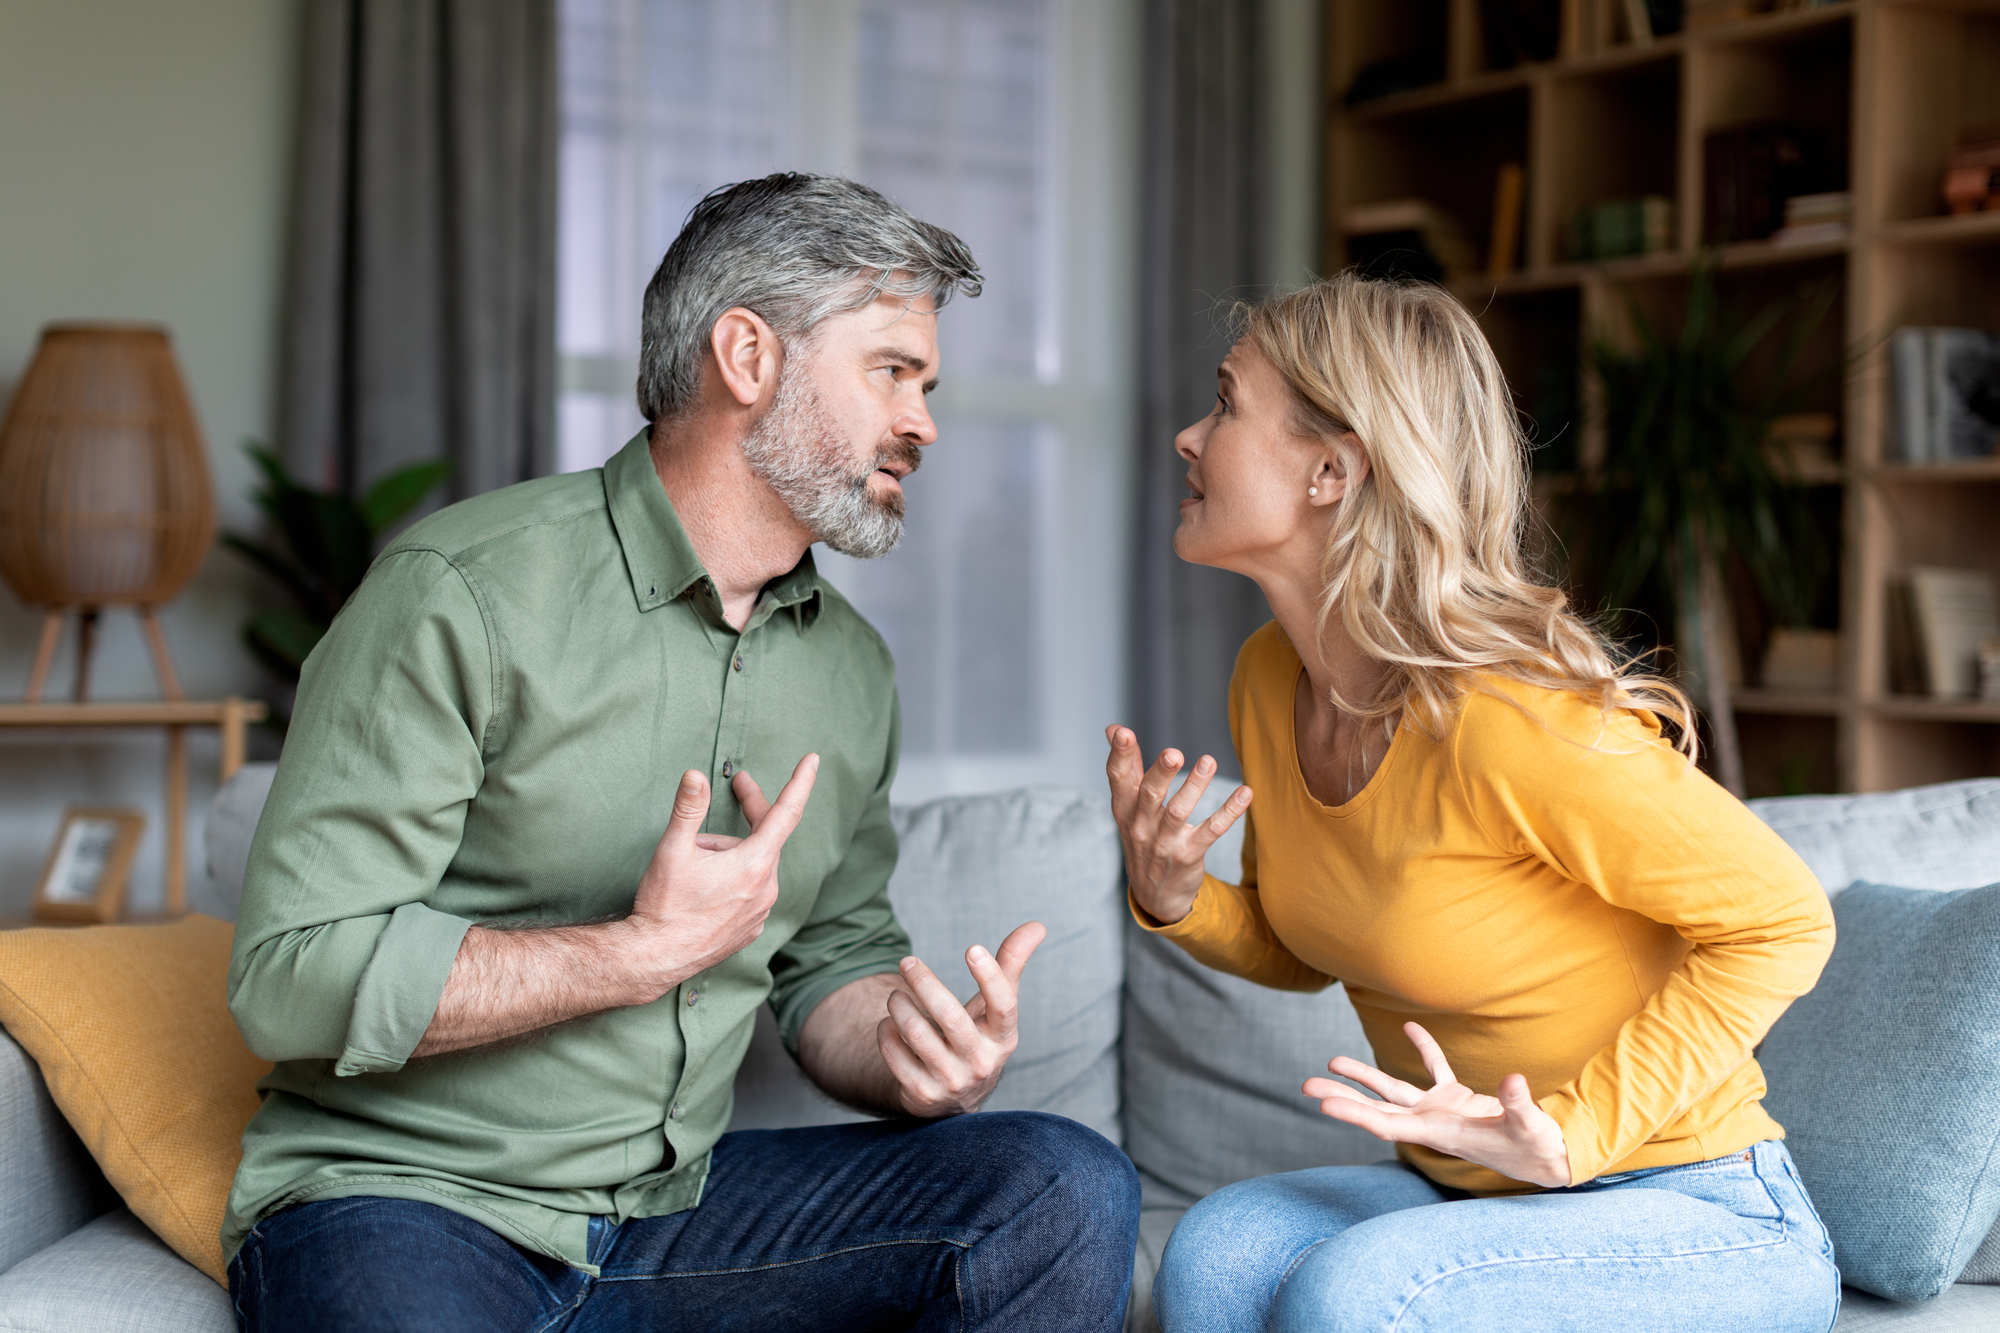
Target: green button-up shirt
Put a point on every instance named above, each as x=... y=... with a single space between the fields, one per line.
x=493 y=731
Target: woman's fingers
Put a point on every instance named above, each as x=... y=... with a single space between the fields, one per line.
x=1389 y=1089
x=1218 y=823
x=1183 y=802
x=1432 y=1054
x=1325 y=1089
x=1125 y=769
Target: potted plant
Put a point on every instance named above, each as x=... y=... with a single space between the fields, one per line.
x=1690 y=486
x=322 y=545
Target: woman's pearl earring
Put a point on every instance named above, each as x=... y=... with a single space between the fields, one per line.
x=1312 y=490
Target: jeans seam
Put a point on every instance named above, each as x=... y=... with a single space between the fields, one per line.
x=1298 y=1259
x=565 y=1311
x=1404 y=1309
x=791 y=1263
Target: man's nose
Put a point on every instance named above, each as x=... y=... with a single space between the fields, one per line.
x=915 y=425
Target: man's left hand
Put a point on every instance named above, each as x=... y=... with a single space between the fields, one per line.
x=947 y=1057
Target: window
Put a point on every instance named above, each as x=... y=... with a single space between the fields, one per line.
x=1001 y=120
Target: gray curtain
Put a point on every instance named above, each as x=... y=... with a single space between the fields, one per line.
x=421 y=318
x=1204 y=192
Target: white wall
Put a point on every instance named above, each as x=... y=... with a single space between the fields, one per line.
x=144 y=153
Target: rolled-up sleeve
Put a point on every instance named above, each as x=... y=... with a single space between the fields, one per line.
x=338 y=955
x=852 y=932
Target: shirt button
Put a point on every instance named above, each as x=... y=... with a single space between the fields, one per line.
x=694 y=997
x=728 y=768
x=737 y=663
x=675 y=1114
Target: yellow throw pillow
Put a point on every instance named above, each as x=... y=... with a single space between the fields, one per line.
x=131 y=1027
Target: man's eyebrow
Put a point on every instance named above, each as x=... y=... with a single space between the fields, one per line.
x=909 y=360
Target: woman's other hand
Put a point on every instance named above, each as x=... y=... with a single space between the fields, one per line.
x=1163 y=852
x=1509 y=1133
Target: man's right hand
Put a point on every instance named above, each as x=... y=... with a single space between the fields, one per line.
x=1163 y=852
x=706 y=896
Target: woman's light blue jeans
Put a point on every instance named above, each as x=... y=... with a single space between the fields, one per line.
x=1728 y=1244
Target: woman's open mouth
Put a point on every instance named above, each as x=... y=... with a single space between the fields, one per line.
x=1194 y=496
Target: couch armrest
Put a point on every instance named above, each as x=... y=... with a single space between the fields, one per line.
x=48 y=1185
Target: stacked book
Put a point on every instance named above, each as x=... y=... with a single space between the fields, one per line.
x=1813 y=218
x=1616 y=228
x=1972 y=181
x=1947 y=394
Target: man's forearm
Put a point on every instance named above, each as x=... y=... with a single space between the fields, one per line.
x=840 y=1053
x=507 y=983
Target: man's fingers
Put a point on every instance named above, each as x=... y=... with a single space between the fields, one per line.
x=1438 y=1067
x=750 y=796
x=715 y=842
x=690 y=808
x=932 y=998
x=1017 y=948
x=919 y=1032
x=790 y=807
x=909 y=1071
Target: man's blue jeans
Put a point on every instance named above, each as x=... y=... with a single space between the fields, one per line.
x=1724 y=1245
x=1002 y=1220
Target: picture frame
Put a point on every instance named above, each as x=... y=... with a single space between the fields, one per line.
x=84 y=877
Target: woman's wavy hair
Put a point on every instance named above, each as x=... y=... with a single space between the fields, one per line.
x=1425 y=565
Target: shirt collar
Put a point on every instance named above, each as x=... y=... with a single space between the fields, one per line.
x=658 y=555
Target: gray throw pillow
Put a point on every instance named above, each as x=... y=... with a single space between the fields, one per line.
x=1886 y=1077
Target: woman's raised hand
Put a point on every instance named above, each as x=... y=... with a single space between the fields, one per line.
x=1163 y=851
x=1508 y=1133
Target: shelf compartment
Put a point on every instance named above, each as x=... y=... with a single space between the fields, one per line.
x=1940 y=79
x=1607 y=134
x=1535 y=337
x=1914 y=749
x=1788 y=754
x=1778 y=702
x=1919 y=708
x=1448 y=156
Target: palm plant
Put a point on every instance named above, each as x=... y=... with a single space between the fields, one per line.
x=323 y=543
x=1689 y=485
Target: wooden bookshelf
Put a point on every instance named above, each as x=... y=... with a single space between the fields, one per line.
x=1890 y=84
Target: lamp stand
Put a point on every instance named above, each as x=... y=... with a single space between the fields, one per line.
x=86 y=641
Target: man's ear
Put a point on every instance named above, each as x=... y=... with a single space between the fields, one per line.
x=748 y=354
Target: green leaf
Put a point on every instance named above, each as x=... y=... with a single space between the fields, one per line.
x=284 y=639
x=401 y=491
x=280 y=567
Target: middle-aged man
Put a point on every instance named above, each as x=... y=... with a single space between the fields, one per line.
x=507 y=1010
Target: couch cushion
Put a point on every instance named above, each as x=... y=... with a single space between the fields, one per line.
x=113 y=1276
x=1961 y=1309
x=1885 y=1077
x=971 y=868
x=1942 y=837
x=132 y=1032
x=48 y=1185
x=231 y=823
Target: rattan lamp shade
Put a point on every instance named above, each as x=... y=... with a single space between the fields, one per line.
x=104 y=491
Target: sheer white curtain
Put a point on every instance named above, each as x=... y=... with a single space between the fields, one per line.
x=1012 y=122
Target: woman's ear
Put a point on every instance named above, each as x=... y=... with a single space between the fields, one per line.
x=1343 y=466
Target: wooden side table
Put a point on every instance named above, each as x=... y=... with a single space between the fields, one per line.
x=230 y=716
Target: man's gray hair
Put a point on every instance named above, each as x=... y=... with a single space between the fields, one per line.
x=794 y=249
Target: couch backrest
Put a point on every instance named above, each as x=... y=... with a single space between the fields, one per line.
x=1941 y=837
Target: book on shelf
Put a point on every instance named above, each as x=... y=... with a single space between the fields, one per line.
x=1802 y=661
x=1951 y=614
x=1946 y=394
x=1509 y=195
x=1813 y=218
x=1408 y=238
x=1616 y=228
x=1750 y=170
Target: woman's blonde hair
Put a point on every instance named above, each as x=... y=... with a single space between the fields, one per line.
x=1425 y=564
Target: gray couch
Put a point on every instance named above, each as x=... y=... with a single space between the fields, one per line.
x=1194 y=1073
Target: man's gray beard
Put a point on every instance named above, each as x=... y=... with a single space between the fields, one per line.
x=799 y=452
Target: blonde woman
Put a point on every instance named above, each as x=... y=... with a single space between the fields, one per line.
x=1562 y=939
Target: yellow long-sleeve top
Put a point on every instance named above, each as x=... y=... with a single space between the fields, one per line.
x=1550 y=891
